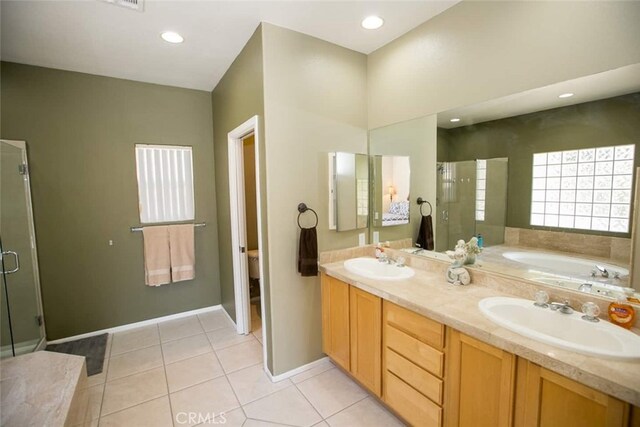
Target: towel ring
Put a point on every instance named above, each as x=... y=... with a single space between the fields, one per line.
x=421 y=202
x=302 y=208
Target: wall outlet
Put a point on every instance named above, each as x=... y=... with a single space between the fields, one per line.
x=361 y=240
x=376 y=237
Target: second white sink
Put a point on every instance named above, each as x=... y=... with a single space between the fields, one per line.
x=371 y=268
x=568 y=331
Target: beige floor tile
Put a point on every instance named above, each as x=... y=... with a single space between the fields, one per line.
x=134 y=339
x=331 y=392
x=286 y=406
x=134 y=389
x=258 y=335
x=235 y=418
x=240 y=356
x=258 y=423
x=366 y=413
x=86 y=405
x=208 y=399
x=126 y=364
x=319 y=368
x=155 y=413
x=179 y=328
x=226 y=337
x=322 y=424
x=192 y=371
x=213 y=320
x=184 y=348
x=252 y=383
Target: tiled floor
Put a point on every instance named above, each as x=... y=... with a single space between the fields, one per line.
x=160 y=374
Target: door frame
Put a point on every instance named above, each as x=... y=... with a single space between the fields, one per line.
x=239 y=225
x=22 y=145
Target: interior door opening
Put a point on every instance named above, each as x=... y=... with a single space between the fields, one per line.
x=247 y=243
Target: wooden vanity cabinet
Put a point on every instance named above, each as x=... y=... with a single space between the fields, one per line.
x=547 y=399
x=432 y=376
x=366 y=339
x=413 y=365
x=335 y=320
x=351 y=331
x=480 y=383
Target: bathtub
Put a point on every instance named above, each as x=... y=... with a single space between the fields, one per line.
x=562 y=264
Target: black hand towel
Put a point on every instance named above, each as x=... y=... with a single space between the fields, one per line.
x=308 y=252
x=425 y=234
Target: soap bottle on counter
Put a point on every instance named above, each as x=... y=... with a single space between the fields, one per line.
x=621 y=313
x=480 y=241
x=379 y=250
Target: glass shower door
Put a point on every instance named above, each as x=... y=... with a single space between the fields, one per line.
x=22 y=323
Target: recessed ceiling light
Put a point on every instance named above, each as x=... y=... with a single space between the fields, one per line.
x=565 y=95
x=372 y=22
x=454 y=120
x=171 y=37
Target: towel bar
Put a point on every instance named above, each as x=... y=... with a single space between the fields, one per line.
x=197 y=224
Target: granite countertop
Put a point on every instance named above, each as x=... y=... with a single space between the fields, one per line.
x=429 y=294
x=37 y=389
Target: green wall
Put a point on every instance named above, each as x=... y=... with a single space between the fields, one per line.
x=80 y=131
x=238 y=97
x=613 y=121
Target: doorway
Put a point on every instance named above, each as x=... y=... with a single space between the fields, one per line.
x=246 y=230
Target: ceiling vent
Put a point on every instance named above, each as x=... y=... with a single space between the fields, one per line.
x=129 y=4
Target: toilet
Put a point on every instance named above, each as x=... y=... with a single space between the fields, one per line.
x=254 y=264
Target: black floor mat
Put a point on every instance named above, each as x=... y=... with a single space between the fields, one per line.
x=92 y=348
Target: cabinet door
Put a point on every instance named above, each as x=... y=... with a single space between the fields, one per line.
x=479 y=382
x=335 y=320
x=548 y=399
x=366 y=339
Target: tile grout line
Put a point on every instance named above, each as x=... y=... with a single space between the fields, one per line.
x=166 y=378
x=104 y=384
x=309 y=402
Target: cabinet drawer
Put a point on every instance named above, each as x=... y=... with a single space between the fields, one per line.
x=420 y=327
x=409 y=404
x=416 y=377
x=416 y=351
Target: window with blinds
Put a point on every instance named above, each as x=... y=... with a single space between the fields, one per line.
x=165 y=183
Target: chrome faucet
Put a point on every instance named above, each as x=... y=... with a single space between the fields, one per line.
x=603 y=271
x=562 y=307
x=417 y=250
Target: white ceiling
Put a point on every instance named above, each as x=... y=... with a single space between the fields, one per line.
x=616 y=82
x=101 y=38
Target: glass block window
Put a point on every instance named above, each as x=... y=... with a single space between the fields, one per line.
x=481 y=188
x=586 y=189
x=362 y=195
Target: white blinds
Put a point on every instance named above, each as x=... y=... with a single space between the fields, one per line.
x=165 y=183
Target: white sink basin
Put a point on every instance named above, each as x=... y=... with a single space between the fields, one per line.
x=568 y=331
x=371 y=268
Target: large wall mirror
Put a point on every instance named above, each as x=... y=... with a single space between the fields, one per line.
x=546 y=177
x=348 y=191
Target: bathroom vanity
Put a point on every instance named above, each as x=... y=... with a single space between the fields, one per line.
x=423 y=348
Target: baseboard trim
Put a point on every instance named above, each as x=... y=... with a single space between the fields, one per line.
x=296 y=371
x=138 y=324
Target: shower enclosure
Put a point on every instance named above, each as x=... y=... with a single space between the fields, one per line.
x=472 y=200
x=21 y=322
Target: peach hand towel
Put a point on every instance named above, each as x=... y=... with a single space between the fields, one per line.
x=182 y=247
x=157 y=259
